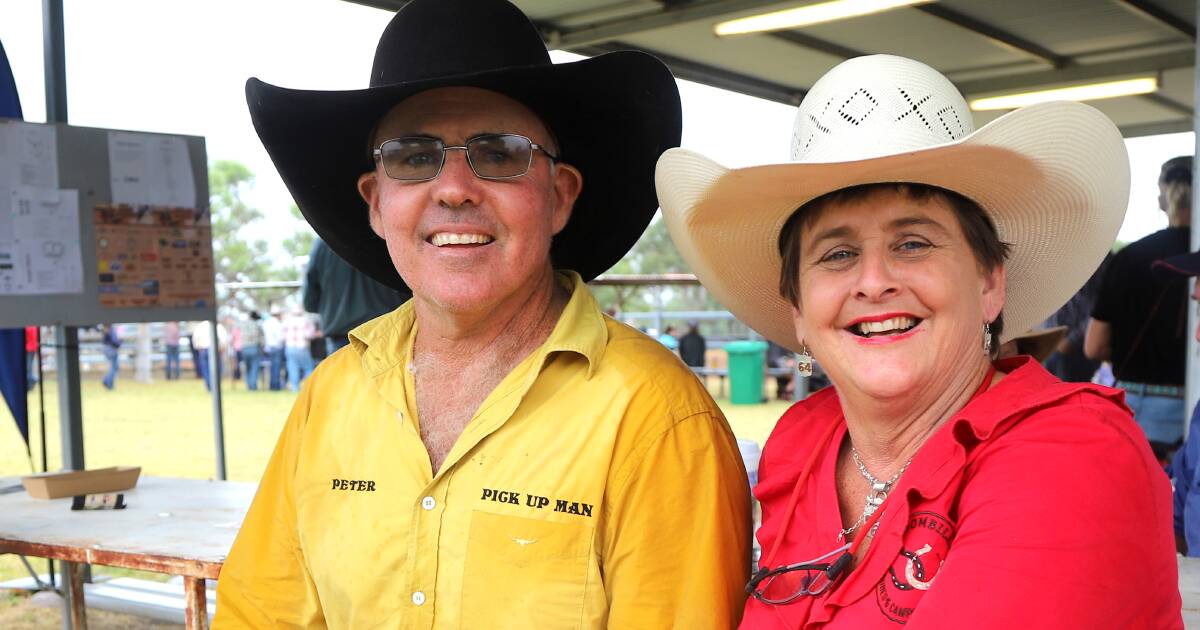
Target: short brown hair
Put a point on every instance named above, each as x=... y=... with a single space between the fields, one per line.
x=978 y=228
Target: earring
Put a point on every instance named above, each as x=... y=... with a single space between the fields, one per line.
x=987 y=339
x=804 y=362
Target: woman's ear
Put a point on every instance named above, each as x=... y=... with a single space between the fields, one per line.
x=995 y=284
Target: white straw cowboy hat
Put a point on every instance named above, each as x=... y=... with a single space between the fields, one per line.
x=1053 y=177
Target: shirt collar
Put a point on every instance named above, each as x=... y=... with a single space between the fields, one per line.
x=384 y=342
x=1026 y=386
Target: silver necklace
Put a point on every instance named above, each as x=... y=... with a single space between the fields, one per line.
x=875 y=498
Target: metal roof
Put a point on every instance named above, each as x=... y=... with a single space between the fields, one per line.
x=983 y=46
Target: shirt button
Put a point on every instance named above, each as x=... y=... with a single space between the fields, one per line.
x=418 y=598
x=428 y=503
x=399 y=415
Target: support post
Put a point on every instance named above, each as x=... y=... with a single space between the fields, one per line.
x=70 y=409
x=196 y=612
x=214 y=374
x=74 y=606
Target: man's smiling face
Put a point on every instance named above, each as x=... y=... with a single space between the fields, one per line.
x=461 y=242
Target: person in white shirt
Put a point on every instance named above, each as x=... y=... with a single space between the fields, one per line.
x=273 y=347
x=298 y=332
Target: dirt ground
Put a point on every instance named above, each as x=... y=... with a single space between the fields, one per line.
x=18 y=611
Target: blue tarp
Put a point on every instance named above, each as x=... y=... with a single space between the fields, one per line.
x=13 y=383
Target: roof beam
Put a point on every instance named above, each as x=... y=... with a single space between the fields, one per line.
x=1168 y=103
x=1160 y=16
x=807 y=41
x=1154 y=129
x=1079 y=72
x=709 y=75
x=1001 y=37
x=670 y=15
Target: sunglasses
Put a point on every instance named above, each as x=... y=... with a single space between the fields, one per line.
x=491 y=156
x=785 y=584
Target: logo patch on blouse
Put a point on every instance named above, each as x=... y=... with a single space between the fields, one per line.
x=925 y=544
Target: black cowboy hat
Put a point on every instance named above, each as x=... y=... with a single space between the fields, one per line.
x=612 y=115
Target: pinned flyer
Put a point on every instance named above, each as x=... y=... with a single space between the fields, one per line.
x=151 y=170
x=43 y=255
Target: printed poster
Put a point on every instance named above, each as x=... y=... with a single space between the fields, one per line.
x=153 y=256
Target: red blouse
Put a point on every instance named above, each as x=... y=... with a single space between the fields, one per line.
x=1039 y=505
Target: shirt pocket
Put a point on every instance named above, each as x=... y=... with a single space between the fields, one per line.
x=524 y=573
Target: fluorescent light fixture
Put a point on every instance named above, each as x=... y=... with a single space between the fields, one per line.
x=807 y=15
x=1088 y=92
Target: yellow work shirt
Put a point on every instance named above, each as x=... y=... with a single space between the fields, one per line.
x=597 y=486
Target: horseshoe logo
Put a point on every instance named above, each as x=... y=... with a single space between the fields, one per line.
x=914 y=570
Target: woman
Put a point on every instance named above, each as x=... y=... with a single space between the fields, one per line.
x=931 y=486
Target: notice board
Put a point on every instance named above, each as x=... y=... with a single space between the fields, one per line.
x=103 y=226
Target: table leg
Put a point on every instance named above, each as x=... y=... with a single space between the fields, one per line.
x=73 y=572
x=196 y=615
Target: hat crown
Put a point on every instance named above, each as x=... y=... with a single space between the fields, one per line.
x=878 y=105
x=436 y=38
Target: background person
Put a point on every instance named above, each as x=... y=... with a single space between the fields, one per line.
x=928 y=482
x=110 y=343
x=298 y=330
x=171 y=349
x=667 y=338
x=1186 y=462
x=273 y=343
x=252 y=343
x=343 y=296
x=693 y=346
x=1139 y=320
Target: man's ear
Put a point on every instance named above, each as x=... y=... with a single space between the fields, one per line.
x=568 y=184
x=368 y=188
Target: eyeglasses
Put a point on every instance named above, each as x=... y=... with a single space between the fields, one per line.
x=783 y=585
x=491 y=156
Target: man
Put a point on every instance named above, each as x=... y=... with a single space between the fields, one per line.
x=272 y=342
x=1139 y=318
x=252 y=343
x=171 y=337
x=298 y=330
x=495 y=453
x=692 y=346
x=343 y=296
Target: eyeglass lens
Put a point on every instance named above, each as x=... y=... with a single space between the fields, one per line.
x=491 y=157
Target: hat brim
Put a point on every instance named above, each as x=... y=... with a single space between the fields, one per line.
x=1053 y=177
x=612 y=115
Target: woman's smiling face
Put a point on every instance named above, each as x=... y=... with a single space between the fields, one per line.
x=892 y=299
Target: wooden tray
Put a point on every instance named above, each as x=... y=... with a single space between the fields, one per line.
x=77 y=482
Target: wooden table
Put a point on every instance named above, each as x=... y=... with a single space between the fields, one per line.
x=180 y=527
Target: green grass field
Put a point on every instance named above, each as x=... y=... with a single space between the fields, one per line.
x=166 y=427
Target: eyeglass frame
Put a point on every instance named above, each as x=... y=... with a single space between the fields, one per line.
x=832 y=570
x=377 y=154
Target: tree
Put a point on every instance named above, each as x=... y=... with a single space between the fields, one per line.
x=236 y=257
x=299 y=244
x=654 y=253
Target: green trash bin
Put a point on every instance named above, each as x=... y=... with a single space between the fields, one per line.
x=746 y=359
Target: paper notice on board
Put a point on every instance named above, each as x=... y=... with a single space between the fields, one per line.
x=28 y=157
x=151 y=170
x=44 y=251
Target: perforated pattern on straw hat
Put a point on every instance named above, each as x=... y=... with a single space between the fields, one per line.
x=1054 y=178
x=878 y=105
